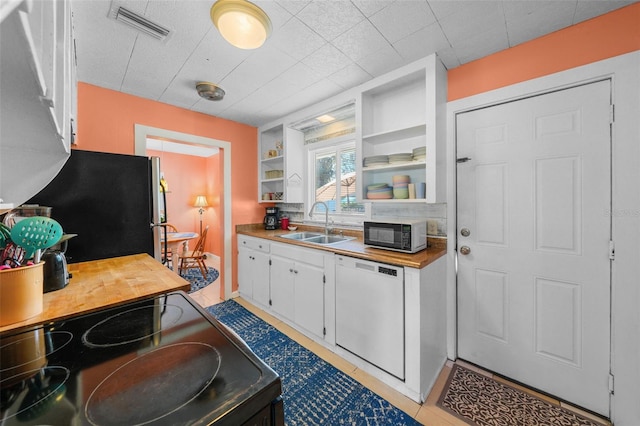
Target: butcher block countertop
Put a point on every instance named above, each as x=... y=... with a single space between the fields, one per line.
x=104 y=283
x=436 y=247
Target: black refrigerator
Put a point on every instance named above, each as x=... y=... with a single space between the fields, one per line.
x=112 y=202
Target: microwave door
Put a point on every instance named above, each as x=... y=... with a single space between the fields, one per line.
x=384 y=235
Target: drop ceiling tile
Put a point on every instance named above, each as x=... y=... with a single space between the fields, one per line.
x=360 y=41
x=90 y=19
x=350 y=76
x=370 y=7
x=449 y=58
x=382 y=61
x=330 y=18
x=327 y=60
x=587 y=9
x=443 y=8
x=296 y=39
x=526 y=21
x=472 y=18
x=402 y=18
x=481 y=45
x=422 y=43
x=293 y=6
x=307 y=97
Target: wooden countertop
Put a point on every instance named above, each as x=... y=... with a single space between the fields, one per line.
x=104 y=283
x=437 y=247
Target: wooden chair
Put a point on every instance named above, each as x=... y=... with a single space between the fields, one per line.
x=167 y=255
x=195 y=258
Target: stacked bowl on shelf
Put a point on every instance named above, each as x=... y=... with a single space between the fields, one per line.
x=379 y=191
x=401 y=186
x=420 y=153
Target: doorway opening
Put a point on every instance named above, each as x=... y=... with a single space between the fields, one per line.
x=142 y=133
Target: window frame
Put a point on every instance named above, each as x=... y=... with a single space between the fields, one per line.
x=332 y=146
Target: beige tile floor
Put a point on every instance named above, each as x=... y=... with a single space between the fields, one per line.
x=427 y=413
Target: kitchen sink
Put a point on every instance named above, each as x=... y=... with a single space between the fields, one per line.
x=316 y=238
x=327 y=239
x=301 y=235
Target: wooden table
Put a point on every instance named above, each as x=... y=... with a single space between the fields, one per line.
x=175 y=239
x=104 y=283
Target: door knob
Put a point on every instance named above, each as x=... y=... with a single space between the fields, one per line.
x=465 y=250
x=465 y=232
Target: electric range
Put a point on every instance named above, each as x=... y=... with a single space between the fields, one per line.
x=161 y=360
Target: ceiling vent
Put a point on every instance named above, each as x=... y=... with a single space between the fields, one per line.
x=210 y=91
x=138 y=22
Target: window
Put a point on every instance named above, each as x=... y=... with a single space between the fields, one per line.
x=333 y=174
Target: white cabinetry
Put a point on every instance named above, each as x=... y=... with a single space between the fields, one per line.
x=297 y=286
x=37 y=96
x=402 y=111
x=280 y=165
x=253 y=269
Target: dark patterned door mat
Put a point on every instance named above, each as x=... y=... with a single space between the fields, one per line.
x=481 y=400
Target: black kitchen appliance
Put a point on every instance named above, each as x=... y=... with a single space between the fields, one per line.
x=161 y=360
x=271 y=218
x=56 y=274
x=109 y=201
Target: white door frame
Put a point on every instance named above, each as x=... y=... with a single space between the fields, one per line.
x=624 y=70
x=141 y=134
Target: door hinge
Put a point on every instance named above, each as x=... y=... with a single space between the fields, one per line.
x=324 y=279
x=612 y=113
x=324 y=331
x=270 y=304
x=612 y=250
x=611 y=383
x=269 y=262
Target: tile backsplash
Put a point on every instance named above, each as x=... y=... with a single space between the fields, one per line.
x=436 y=214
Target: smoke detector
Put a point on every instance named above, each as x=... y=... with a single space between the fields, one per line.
x=210 y=91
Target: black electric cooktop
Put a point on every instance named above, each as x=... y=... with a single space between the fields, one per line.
x=162 y=360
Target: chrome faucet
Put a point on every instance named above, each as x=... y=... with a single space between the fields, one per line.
x=326 y=215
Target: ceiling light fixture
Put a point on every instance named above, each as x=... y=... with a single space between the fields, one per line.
x=326 y=118
x=210 y=91
x=241 y=23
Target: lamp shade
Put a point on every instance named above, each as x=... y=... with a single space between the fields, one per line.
x=241 y=23
x=201 y=201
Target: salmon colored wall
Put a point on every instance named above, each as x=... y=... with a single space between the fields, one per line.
x=187 y=177
x=603 y=37
x=106 y=121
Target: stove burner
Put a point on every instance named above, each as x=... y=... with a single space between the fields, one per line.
x=132 y=325
x=161 y=382
x=31 y=398
x=28 y=352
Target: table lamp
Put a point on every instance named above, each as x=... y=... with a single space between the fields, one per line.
x=201 y=202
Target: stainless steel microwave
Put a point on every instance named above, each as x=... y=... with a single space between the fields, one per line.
x=409 y=236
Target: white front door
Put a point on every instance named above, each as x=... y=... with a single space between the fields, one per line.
x=534 y=189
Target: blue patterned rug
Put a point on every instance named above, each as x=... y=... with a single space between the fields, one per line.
x=314 y=391
x=198 y=282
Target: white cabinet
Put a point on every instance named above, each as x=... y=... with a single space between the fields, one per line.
x=298 y=286
x=253 y=269
x=403 y=112
x=37 y=96
x=280 y=165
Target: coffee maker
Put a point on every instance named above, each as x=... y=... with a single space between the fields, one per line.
x=271 y=218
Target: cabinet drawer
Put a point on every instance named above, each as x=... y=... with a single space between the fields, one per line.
x=253 y=243
x=299 y=254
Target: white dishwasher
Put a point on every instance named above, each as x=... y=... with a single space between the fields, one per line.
x=370 y=312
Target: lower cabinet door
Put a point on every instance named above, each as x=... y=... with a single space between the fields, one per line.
x=282 y=280
x=245 y=275
x=309 y=298
x=260 y=275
